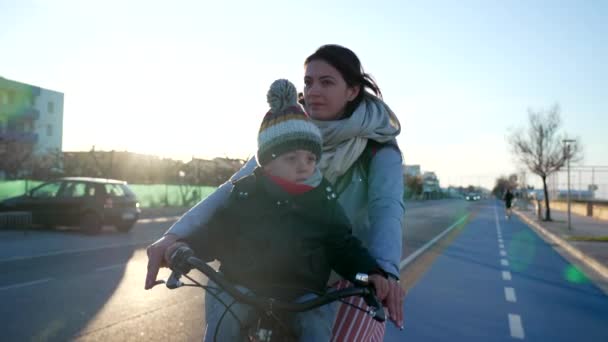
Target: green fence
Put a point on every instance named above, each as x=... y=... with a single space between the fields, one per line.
x=16 y=187
x=159 y=195
x=149 y=195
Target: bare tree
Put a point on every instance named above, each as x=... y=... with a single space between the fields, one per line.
x=414 y=185
x=503 y=183
x=46 y=166
x=541 y=147
x=14 y=154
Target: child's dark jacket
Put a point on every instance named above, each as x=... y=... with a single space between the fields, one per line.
x=278 y=244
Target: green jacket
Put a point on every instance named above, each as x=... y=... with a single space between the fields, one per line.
x=282 y=245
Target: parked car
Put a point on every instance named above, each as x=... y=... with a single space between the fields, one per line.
x=88 y=203
x=472 y=196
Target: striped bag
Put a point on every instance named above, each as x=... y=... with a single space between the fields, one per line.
x=352 y=324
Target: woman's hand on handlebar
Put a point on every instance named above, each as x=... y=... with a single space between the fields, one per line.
x=156 y=258
x=380 y=284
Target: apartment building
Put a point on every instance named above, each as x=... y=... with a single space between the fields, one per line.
x=30 y=115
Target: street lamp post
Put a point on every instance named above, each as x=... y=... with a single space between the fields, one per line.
x=567 y=142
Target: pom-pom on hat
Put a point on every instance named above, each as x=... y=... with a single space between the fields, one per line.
x=286 y=127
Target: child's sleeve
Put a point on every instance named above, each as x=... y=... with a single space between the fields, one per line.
x=346 y=253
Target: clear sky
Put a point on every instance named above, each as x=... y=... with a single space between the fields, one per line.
x=189 y=78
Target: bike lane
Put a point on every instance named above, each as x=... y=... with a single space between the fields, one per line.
x=498 y=281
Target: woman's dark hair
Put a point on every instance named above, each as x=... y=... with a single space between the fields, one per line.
x=349 y=66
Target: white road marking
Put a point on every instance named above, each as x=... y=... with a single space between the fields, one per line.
x=510 y=295
x=107 y=268
x=77 y=250
x=14 y=286
x=159 y=219
x=516 y=327
x=428 y=245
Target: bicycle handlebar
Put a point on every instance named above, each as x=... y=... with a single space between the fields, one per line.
x=183 y=260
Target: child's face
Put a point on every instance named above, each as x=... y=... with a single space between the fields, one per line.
x=295 y=166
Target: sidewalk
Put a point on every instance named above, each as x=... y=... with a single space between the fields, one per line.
x=590 y=256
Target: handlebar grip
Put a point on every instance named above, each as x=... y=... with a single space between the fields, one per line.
x=179 y=259
x=376 y=308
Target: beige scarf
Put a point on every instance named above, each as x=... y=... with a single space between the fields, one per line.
x=344 y=140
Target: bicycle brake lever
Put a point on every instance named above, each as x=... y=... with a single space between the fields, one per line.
x=376 y=310
x=173 y=281
x=158 y=282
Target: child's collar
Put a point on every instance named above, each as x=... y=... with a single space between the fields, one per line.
x=291 y=188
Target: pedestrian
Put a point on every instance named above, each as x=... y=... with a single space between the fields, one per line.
x=508 y=198
x=363 y=161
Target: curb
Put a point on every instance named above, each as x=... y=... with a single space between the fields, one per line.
x=571 y=250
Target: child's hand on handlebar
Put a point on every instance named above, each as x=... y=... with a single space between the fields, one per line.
x=156 y=260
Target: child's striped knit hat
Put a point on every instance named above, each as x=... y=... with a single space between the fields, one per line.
x=286 y=127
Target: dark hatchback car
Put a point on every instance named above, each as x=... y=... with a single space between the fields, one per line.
x=88 y=203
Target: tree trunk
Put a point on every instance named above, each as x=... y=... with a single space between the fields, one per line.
x=547 y=208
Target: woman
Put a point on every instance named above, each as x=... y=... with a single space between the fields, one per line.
x=360 y=156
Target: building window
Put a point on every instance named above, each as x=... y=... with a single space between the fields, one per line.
x=50 y=107
x=49 y=130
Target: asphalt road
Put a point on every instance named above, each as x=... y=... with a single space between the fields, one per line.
x=63 y=285
x=498 y=281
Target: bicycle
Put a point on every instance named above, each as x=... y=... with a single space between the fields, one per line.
x=269 y=326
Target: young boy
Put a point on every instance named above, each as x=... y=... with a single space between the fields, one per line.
x=283 y=231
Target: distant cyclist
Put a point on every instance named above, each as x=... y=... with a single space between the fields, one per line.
x=508 y=203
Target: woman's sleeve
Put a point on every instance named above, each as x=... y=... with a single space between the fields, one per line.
x=199 y=215
x=386 y=208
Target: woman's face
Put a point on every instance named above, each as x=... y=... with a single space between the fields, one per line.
x=325 y=91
